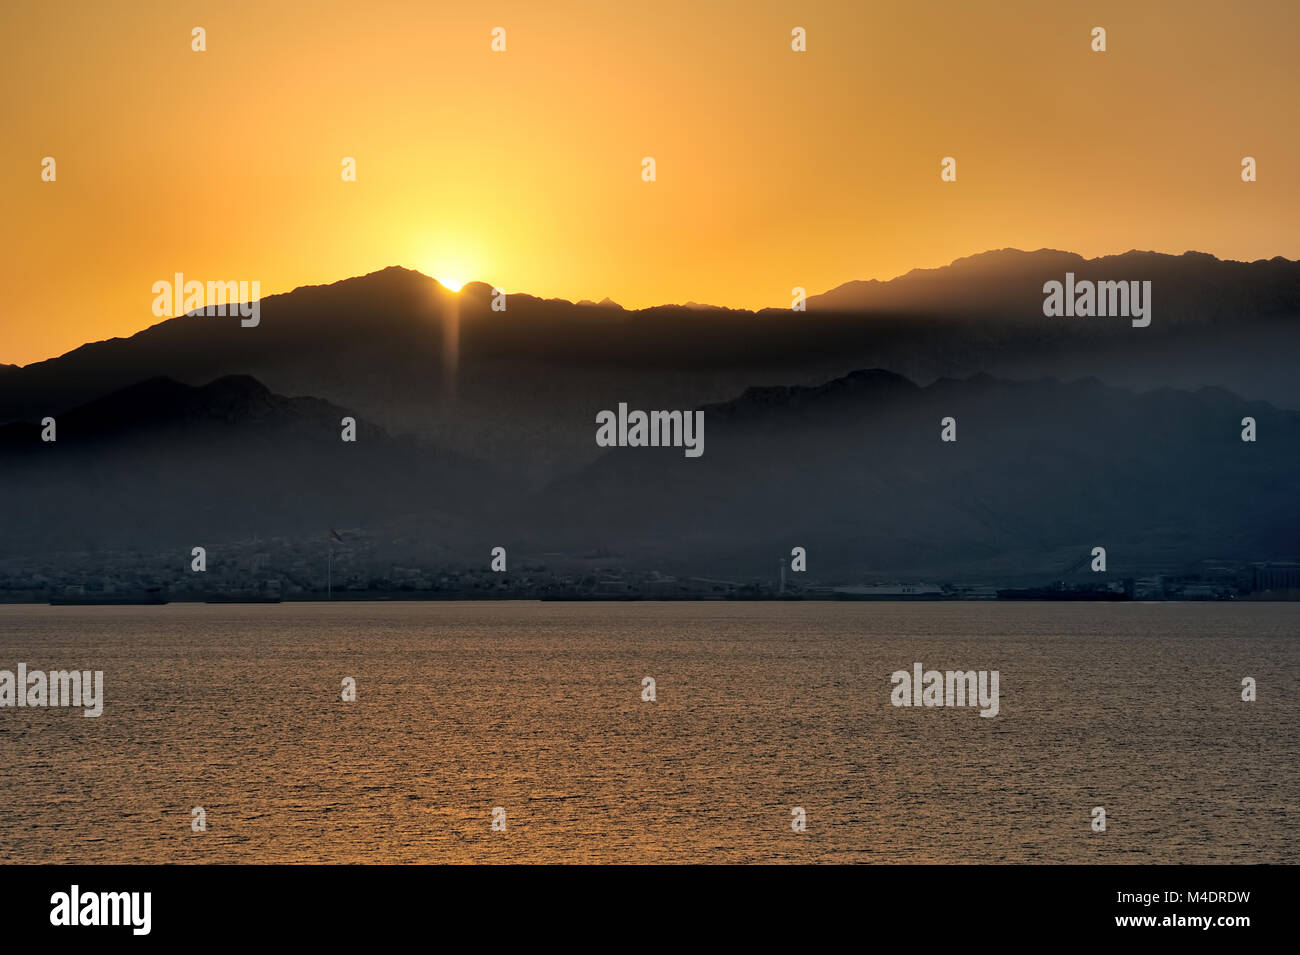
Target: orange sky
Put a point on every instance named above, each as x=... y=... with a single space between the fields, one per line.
x=523 y=168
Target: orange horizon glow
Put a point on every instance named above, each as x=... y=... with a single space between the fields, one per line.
x=775 y=169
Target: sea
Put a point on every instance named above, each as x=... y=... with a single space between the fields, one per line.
x=517 y=731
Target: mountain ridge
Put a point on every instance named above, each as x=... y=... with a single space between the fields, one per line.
x=479 y=290
x=395 y=347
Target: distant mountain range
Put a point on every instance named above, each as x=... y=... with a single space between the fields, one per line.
x=1194 y=289
x=853 y=470
x=161 y=464
x=531 y=378
x=183 y=432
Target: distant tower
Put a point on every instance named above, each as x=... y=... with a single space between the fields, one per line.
x=782 y=590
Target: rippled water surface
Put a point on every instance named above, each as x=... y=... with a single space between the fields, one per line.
x=762 y=707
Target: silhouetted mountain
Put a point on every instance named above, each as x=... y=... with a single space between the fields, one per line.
x=519 y=388
x=159 y=464
x=854 y=470
x=1194 y=289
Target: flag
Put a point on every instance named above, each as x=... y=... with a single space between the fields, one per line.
x=335 y=536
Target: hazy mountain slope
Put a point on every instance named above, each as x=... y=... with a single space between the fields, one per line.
x=162 y=464
x=855 y=471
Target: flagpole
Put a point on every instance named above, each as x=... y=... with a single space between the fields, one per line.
x=330 y=573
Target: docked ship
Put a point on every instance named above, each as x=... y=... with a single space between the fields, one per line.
x=1060 y=591
x=154 y=596
x=891 y=592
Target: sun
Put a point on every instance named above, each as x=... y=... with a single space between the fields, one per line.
x=453 y=262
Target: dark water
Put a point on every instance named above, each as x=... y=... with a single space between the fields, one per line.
x=536 y=708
